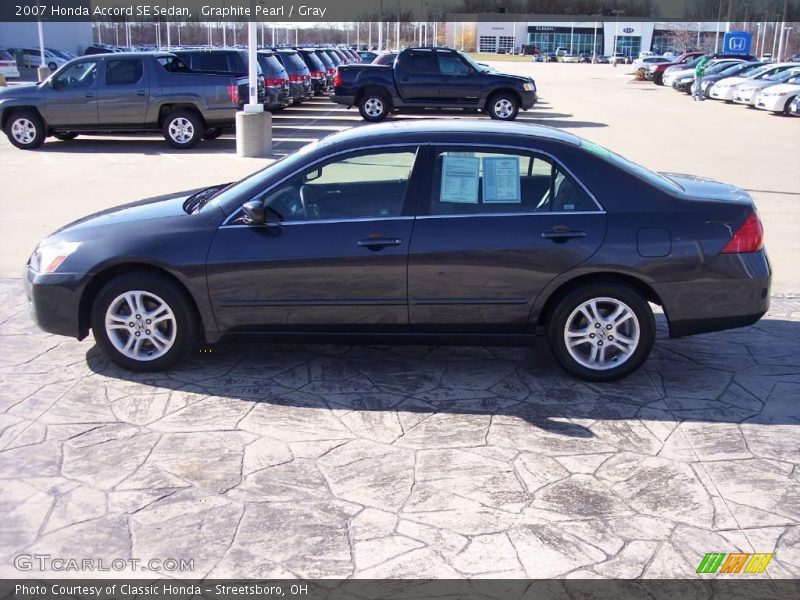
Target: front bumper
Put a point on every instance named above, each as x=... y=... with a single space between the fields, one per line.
x=718 y=93
x=748 y=97
x=54 y=302
x=528 y=100
x=733 y=293
x=771 y=103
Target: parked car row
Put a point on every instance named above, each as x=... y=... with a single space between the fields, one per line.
x=764 y=85
x=13 y=59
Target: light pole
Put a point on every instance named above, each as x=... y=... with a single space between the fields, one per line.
x=783 y=44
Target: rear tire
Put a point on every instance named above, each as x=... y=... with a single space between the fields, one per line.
x=183 y=129
x=25 y=130
x=601 y=331
x=503 y=107
x=65 y=137
x=143 y=322
x=213 y=133
x=374 y=106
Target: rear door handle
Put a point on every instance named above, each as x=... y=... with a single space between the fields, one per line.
x=379 y=243
x=89 y=94
x=562 y=234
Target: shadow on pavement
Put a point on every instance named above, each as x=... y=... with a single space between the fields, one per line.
x=712 y=378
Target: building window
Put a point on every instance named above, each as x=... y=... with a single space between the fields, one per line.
x=577 y=43
x=629 y=45
x=487 y=43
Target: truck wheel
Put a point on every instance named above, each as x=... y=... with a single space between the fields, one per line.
x=503 y=107
x=213 y=133
x=25 y=129
x=183 y=129
x=65 y=137
x=143 y=322
x=373 y=106
x=601 y=331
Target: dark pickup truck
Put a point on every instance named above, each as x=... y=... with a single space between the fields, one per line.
x=431 y=78
x=130 y=92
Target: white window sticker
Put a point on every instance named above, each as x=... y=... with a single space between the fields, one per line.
x=459 y=179
x=501 y=180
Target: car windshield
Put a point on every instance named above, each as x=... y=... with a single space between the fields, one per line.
x=472 y=63
x=718 y=68
x=631 y=167
x=253 y=183
x=781 y=75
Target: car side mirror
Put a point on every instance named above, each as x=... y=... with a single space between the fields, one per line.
x=254 y=212
x=471 y=71
x=53 y=83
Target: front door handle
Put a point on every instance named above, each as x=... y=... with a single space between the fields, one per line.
x=378 y=243
x=89 y=94
x=140 y=92
x=558 y=234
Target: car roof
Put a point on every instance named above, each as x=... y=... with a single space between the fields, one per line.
x=431 y=126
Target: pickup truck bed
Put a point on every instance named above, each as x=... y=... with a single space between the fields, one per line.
x=131 y=92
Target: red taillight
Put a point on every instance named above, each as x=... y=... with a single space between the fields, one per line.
x=296 y=78
x=748 y=238
x=275 y=82
x=330 y=71
x=233 y=93
x=318 y=74
x=337 y=79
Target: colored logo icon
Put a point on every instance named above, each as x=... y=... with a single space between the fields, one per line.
x=735 y=562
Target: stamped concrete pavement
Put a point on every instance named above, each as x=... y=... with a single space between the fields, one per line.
x=279 y=461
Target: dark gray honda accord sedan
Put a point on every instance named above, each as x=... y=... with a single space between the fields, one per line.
x=456 y=232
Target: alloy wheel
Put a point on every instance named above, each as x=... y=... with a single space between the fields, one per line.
x=602 y=333
x=374 y=107
x=181 y=130
x=503 y=108
x=23 y=130
x=141 y=325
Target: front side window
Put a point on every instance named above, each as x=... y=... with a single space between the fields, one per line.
x=472 y=182
x=82 y=74
x=363 y=185
x=124 y=72
x=451 y=65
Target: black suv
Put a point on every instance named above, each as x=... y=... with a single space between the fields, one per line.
x=300 y=84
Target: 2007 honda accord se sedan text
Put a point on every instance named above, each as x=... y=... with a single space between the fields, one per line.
x=455 y=232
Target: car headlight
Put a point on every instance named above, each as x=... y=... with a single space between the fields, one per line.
x=529 y=87
x=47 y=258
x=774 y=93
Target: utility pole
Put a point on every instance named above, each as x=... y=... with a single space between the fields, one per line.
x=783 y=26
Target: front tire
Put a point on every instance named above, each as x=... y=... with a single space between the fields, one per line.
x=503 y=107
x=183 y=129
x=374 y=106
x=601 y=331
x=25 y=130
x=143 y=322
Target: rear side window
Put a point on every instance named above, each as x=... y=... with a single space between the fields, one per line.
x=122 y=72
x=470 y=181
x=421 y=63
x=292 y=62
x=173 y=64
x=313 y=61
x=271 y=66
x=210 y=61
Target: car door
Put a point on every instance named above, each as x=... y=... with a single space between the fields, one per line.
x=458 y=82
x=417 y=77
x=495 y=226
x=70 y=97
x=333 y=254
x=123 y=95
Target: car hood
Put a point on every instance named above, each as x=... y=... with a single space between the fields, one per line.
x=784 y=88
x=734 y=80
x=519 y=78
x=758 y=84
x=708 y=189
x=18 y=91
x=143 y=210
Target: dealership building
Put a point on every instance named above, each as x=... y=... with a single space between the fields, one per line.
x=595 y=37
